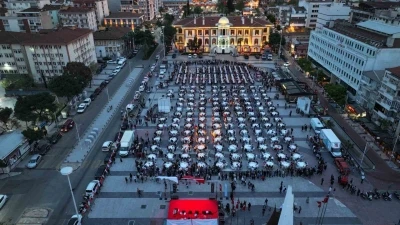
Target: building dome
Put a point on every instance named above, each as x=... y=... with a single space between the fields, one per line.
x=223 y=20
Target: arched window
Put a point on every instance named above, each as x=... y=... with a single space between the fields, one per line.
x=246 y=41
x=180 y=30
x=200 y=42
x=180 y=39
x=206 y=41
x=264 y=38
x=214 y=41
x=232 y=42
x=256 y=41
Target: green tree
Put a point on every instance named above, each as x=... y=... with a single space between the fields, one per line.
x=278 y=27
x=78 y=69
x=305 y=64
x=17 y=81
x=230 y=6
x=144 y=38
x=128 y=39
x=169 y=34
x=337 y=92
x=33 y=108
x=33 y=135
x=75 y=86
x=329 y=124
x=168 y=19
x=274 y=40
x=271 y=18
x=186 y=9
x=160 y=10
x=221 y=6
x=6 y=121
x=240 y=5
x=194 y=44
x=197 y=10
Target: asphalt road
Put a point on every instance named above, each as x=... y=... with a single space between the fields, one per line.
x=44 y=186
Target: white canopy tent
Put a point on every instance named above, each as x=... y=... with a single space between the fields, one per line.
x=164 y=105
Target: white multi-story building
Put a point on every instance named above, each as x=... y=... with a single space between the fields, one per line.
x=146 y=7
x=347 y=50
x=28 y=20
x=124 y=19
x=312 y=7
x=44 y=55
x=387 y=11
x=298 y=17
x=387 y=104
x=110 y=42
x=15 y=6
x=78 y=16
x=100 y=8
x=329 y=13
x=368 y=90
x=157 y=5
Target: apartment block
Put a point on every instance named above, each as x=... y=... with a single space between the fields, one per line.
x=110 y=42
x=124 y=19
x=298 y=17
x=387 y=12
x=146 y=7
x=347 y=50
x=327 y=14
x=43 y=55
x=100 y=8
x=79 y=17
x=312 y=7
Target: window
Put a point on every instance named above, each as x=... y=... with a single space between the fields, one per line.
x=206 y=32
x=214 y=41
x=232 y=42
x=239 y=32
x=257 y=32
x=232 y=32
x=199 y=32
x=214 y=32
x=256 y=41
x=180 y=39
x=246 y=32
x=246 y=41
x=190 y=33
x=206 y=41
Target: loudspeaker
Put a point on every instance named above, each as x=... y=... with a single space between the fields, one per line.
x=174 y=197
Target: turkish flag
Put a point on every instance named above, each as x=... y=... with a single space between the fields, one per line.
x=326 y=199
x=319 y=204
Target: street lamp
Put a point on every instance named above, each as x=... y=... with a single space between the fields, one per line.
x=364 y=152
x=163 y=34
x=66 y=171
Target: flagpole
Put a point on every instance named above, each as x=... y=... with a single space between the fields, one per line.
x=319 y=210
x=323 y=215
x=319 y=219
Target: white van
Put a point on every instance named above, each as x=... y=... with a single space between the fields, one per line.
x=92 y=188
x=316 y=125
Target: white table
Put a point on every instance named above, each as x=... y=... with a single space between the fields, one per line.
x=201 y=147
x=248 y=147
x=201 y=155
x=244 y=132
x=176 y=120
x=293 y=147
x=173 y=139
x=216 y=126
x=263 y=147
x=201 y=164
x=265 y=119
x=202 y=119
x=183 y=165
x=288 y=139
x=253 y=165
x=170 y=156
x=271 y=132
x=154 y=148
x=201 y=140
x=202 y=125
x=217 y=132
x=152 y=156
x=284 y=131
x=232 y=139
x=281 y=125
x=250 y=156
x=219 y=155
x=185 y=147
x=301 y=165
x=173 y=132
x=235 y=156
x=260 y=139
x=281 y=156
x=269 y=163
x=266 y=155
x=240 y=119
x=273 y=139
x=149 y=164
x=277 y=119
x=242 y=125
x=202 y=132
x=235 y=165
x=160 y=125
x=187 y=132
x=296 y=156
x=159 y=132
x=188 y=125
x=274 y=113
x=232 y=148
x=218 y=147
x=285 y=164
x=220 y=165
x=185 y=156
x=253 y=119
x=157 y=139
x=277 y=147
x=167 y=164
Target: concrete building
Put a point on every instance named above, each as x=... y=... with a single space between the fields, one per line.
x=100 y=8
x=298 y=17
x=312 y=7
x=368 y=10
x=43 y=55
x=124 y=19
x=368 y=90
x=387 y=104
x=80 y=17
x=53 y=11
x=329 y=13
x=110 y=42
x=14 y=148
x=146 y=7
x=174 y=4
x=15 y=6
x=115 y=6
x=223 y=34
x=347 y=50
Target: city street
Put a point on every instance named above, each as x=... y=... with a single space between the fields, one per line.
x=45 y=187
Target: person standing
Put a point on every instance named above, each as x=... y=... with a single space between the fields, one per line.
x=249 y=206
x=322 y=181
x=299 y=209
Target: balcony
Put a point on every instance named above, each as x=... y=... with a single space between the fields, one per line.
x=392 y=86
x=382 y=103
x=384 y=92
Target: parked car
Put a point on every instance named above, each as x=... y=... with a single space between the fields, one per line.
x=264 y=57
x=92 y=188
x=286 y=64
x=68 y=125
x=93 y=97
x=75 y=220
x=246 y=56
x=174 y=56
x=107 y=145
x=194 y=55
x=115 y=72
x=190 y=56
x=200 y=56
x=124 y=125
x=103 y=84
x=53 y=139
x=87 y=101
x=257 y=56
x=44 y=149
x=97 y=91
x=81 y=108
x=101 y=171
x=3 y=200
x=34 y=161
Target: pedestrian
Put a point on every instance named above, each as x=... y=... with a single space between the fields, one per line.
x=233 y=212
x=263 y=210
x=280 y=189
x=362 y=179
x=120 y=159
x=284 y=189
x=126 y=180
x=351 y=181
x=290 y=113
x=266 y=201
x=330 y=189
x=299 y=209
x=322 y=181
x=358 y=192
x=130 y=177
x=249 y=206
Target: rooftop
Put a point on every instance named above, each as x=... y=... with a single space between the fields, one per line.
x=51 y=7
x=383 y=28
x=299 y=9
x=76 y=10
x=124 y=15
x=61 y=36
x=9 y=142
x=395 y=71
x=32 y=9
x=375 y=75
x=211 y=21
x=379 y=5
x=111 y=33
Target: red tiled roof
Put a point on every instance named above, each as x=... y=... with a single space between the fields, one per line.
x=76 y=10
x=111 y=33
x=395 y=71
x=210 y=21
x=123 y=15
x=61 y=36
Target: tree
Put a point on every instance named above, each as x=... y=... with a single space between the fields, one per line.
x=33 y=108
x=160 y=10
x=78 y=69
x=169 y=34
x=33 y=135
x=194 y=44
x=6 y=121
x=144 y=38
x=186 y=9
x=168 y=19
x=271 y=18
x=221 y=6
x=329 y=124
x=128 y=38
x=230 y=6
x=274 y=40
x=240 y=5
x=278 y=27
x=239 y=41
x=337 y=92
x=75 y=86
x=197 y=10
x=305 y=64
x=17 y=81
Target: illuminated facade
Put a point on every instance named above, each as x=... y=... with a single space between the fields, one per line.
x=222 y=34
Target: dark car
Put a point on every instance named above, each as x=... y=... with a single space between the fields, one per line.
x=246 y=56
x=118 y=136
x=124 y=125
x=68 y=125
x=174 y=56
x=108 y=157
x=97 y=91
x=130 y=56
x=103 y=85
x=55 y=137
x=92 y=97
x=101 y=171
x=44 y=149
x=200 y=56
x=257 y=56
x=264 y=57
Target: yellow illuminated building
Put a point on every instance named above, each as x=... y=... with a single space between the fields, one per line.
x=223 y=34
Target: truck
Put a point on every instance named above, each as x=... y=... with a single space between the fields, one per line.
x=316 y=125
x=126 y=143
x=331 y=142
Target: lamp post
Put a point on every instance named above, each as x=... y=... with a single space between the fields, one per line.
x=364 y=152
x=79 y=136
x=66 y=171
x=163 y=35
x=280 y=44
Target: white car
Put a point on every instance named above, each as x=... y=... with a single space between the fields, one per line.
x=118 y=67
x=3 y=200
x=194 y=55
x=141 y=88
x=190 y=56
x=81 y=108
x=87 y=101
x=158 y=57
x=152 y=68
x=34 y=161
x=286 y=64
x=75 y=220
x=115 y=72
x=136 y=97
